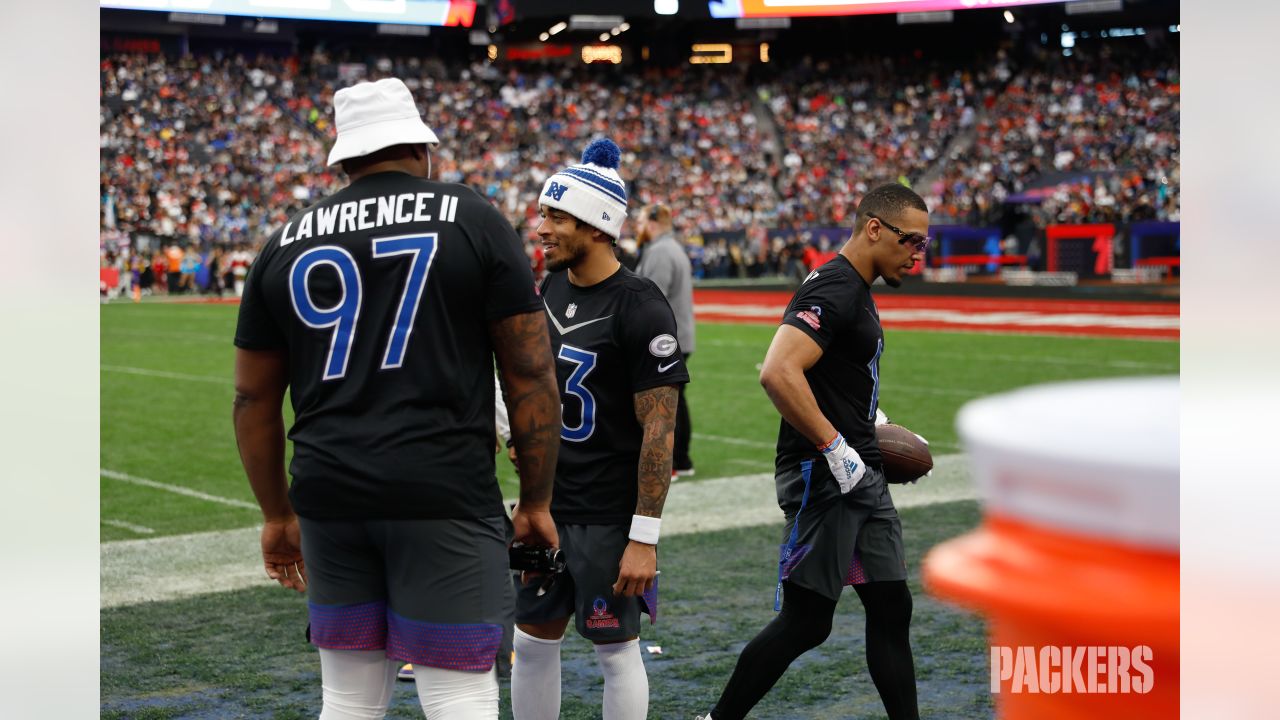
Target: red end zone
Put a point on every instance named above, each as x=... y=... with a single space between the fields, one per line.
x=1147 y=320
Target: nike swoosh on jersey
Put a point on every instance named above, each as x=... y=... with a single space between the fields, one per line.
x=664 y=368
x=566 y=330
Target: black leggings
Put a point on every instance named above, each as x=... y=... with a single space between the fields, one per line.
x=804 y=623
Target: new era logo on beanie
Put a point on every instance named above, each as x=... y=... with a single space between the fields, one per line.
x=591 y=191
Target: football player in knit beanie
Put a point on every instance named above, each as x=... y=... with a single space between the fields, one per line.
x=591 y=191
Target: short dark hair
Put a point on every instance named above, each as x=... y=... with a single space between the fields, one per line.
x=887 y=201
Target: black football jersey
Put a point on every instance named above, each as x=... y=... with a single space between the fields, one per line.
x=834 y=307
x=382 y=296
x=611 y=340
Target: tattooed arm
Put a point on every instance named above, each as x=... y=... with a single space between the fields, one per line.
x=523 y=349
x=656 y=411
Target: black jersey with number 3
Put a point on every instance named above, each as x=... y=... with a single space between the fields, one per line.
x=382 y=295
x=611 y=340
x=835 y=309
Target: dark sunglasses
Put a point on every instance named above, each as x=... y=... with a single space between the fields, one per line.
x=918 y=242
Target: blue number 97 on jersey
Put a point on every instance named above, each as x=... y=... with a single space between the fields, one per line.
x=343 y=316
x=584 y=361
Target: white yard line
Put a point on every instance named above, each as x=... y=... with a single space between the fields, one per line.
x=175 y=335
x=180 y=490
x=168 y=568
x=168 y=375
x=735 y=441
x=140 y=529
x=902 y=388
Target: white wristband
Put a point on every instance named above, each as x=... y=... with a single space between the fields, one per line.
x=645 y=529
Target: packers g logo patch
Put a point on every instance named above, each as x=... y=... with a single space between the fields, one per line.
x=662 y=346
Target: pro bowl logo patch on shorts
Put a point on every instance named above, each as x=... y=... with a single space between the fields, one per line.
x=601 y=618
x=812 y=317
x=662 y=346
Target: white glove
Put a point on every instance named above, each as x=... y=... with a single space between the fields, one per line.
x=881 y=418
x=845 y=463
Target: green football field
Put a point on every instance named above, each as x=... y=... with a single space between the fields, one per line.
x=170 y=470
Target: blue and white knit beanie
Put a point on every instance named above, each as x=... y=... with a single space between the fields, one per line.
x=592 y=191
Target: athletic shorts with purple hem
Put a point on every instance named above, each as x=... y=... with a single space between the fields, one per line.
x=429 y=592
x=585 y=589
x=852 y=540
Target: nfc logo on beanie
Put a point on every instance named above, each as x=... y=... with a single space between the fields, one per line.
x=556 y=190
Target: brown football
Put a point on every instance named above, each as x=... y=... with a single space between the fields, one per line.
x=905 y=456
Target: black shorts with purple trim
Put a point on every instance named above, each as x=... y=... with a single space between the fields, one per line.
x=585 y=589
x=852 y=540
x=429 y=592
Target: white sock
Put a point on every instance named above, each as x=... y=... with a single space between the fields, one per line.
x=535 y=678
x=626 y=685
x=457 y=695
x=356 y=684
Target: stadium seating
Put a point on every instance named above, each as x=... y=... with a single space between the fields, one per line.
x=220 y=149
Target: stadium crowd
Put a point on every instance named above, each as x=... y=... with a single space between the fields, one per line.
x=215 y=151
x=851 y=127
x=1107 y=128
x=690 y=142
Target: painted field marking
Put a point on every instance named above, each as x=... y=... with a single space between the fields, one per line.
x=145 y=372
x=176 y=335
x=908 y=389
x=772 y=446
x=177 y=489
x=989 y=357
x=735 y=441
x=173 y=567
x=178 y=566
x=140 y=529
x=955 y=317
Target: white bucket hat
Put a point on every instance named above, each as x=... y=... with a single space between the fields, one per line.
x=374 y=115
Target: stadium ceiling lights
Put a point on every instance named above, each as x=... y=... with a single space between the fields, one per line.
x=615 y=31
x=666 y=7
x=1008 y=17
x=594 y=22
x=711 y=54
x=602 y=53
